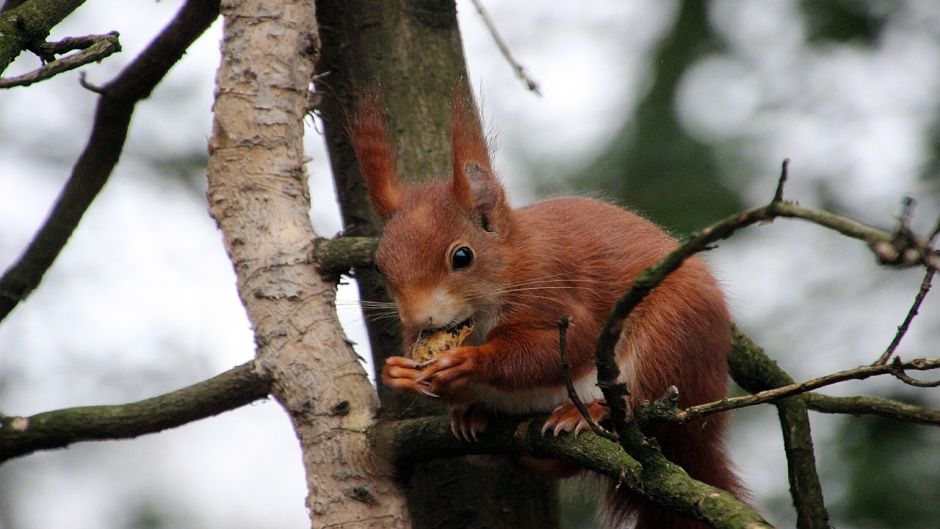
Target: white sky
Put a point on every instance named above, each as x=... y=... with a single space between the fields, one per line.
x=142 y=300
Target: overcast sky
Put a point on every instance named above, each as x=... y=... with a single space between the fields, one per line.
x=142 y=300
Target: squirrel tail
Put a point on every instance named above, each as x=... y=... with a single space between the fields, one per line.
x=697 y=447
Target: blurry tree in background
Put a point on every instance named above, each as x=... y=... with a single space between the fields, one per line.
x=664 y=162
x=654 y=156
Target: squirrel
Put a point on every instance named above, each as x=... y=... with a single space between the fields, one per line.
x=454 y=251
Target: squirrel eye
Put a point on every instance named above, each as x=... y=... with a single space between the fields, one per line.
x=462 y=258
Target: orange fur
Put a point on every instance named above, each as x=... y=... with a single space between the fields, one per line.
x=563 y=257
x=376 y=158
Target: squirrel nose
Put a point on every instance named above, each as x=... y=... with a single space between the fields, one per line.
x=422 y=321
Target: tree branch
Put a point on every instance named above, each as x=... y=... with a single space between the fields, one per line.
x=896 y=369
x=911 y=313
x=413 y=440
x=563 y=324
x=902 y=248
x=92 y=48
x=865 y=405
x=338 y=256
x=94 y=166
x=746 y=359
x=28 y=23
x=504 y=49
x=889 y=248
x=232 y=389
x=256 y=170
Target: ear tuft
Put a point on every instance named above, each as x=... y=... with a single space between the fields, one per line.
x=370 y=140
x=468 y=142
x=474 y=185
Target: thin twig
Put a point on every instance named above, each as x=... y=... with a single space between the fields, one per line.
x=784 y=169
x=858 y=373
x=932 y=238
x=889 y=249
x=94 y=166
x=865 y=405
x=92 y=48
x=902 y=329
x=907 y=212
x=899 y=370
x=504 y=49
x=566 y=373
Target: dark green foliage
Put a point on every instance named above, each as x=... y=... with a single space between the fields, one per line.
x=846 y=20
x=890 y=469
x=654 y=165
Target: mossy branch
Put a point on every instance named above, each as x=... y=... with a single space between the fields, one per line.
x=57 y=429
x=28 y=24
x=747 y=359
x=91 y=48
x=410 y=441
x=758 y=374
x=339 y=256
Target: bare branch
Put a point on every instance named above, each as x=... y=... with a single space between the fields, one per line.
x=887 y=247
x=865 y=405
x=915 y=307
x=784 y=169
x=94 y=166
x=899 y=370
x=566 y=374
x=896 y=368
x=504 y=49
x=93 y=48
x=57 y=429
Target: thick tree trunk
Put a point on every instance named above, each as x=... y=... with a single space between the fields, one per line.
x=258 y=194
x=410 y=51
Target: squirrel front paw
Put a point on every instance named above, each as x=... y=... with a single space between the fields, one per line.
x=567 y=418
x=448 y=372
x=402 y=374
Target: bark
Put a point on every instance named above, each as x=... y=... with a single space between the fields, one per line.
x=410 y=52
x=116 y=105
x=755 y=372
x=236 y=387
x=28 y=23
x=258 y=194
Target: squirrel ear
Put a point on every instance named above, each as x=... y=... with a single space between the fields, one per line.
x=474 y=184
x=376 y=160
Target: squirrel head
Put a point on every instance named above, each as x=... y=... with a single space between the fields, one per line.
x=444 y=248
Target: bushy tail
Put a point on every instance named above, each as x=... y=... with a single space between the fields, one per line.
x=698 y=448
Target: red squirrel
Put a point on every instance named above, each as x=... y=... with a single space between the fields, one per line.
x=454 y=251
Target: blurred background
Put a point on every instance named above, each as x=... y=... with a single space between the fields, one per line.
x=683 y=110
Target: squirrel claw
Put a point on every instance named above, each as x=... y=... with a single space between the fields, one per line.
x=567 y=418
x=423 y=388
x=401 y=373
x=448 y=372
x=467 y=421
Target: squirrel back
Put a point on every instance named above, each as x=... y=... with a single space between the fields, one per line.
x=455 y=251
